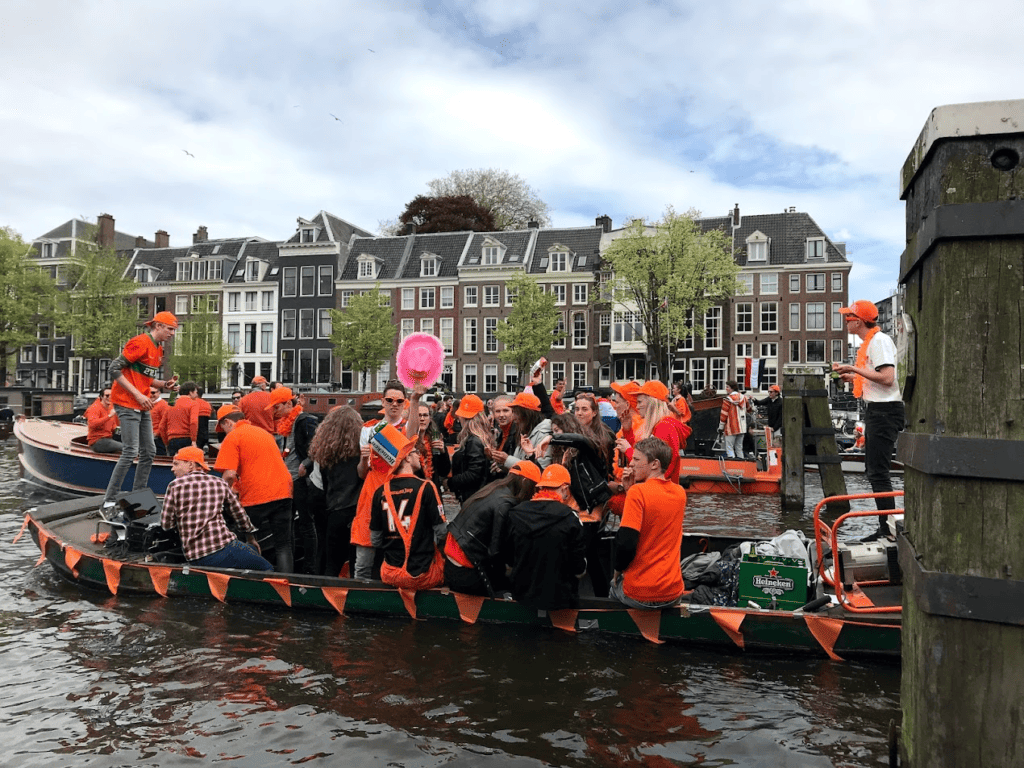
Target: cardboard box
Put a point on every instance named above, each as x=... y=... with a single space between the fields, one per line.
x=767 y=578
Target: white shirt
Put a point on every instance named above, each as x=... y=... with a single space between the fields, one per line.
x=881 y=352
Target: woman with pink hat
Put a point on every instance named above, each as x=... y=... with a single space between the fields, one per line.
x=470 y=463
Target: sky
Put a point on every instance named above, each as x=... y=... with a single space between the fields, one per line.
x=244 y=117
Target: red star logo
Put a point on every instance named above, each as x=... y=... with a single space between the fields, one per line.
x=773 y=573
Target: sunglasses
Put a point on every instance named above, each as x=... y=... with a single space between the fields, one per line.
x=105 y=394
x=394 y=400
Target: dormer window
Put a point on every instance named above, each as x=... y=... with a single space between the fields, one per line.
x=46 y=251
x=252 y=271
x=429 y=264
x=816 y=249
x=142 y=275
x=491 y=254
x=307 y=235
x=367 y=267
x=757 y=247
x=559 y=260
x=194 y=269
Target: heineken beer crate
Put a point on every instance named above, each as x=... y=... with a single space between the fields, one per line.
x=765 y=579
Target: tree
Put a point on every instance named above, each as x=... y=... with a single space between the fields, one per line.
x=670 y=273
x=455 y=213
x=101 y=313
x=531 y=327
x=26 y=297
x=363 y=333
x=512 y=202
x=200 y=353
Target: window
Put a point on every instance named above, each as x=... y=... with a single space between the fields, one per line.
x=324 y=325
x=408 y=327
x=308 y=276
x=42 y=354
x=447 y=296
x=746 y=283
x=427 y=298
x=744 y=350
x=713 y=328
x=213 y=302
x=470 y=296
x=837 y=282
x=428 y=266
x=469 y=335
x=744 y=317
x=838 y=323
x=604 y=328
x=250 y=338
x=469 y=378
x=719 y=367
x=558 y=342
x=427 y=325
x=769 y=282
x=289 y=277
x=305 y=366
x=559 y=291
x=511 y=378
x=252 y=271
x=266 y=338
x=141 y=275
x=815 y=282
x=47 y=250
x=385 y=298
x=492 y=295
x=250 y=301
x=307 y=235
x=306 y=323
x=181 y=305
x=510 y=297
x=579 y=330
x=490 y=379
x=234 y=301
x=323 y=366
x=43 y=331
x=346 y=297
x=816 y=250
x=58 y=354
x=579 y=375
x=408 y=298
x=325 y=282
x=367 y=268
x=816 y=351
x=288 y=324
x=794 y=351
x=28 y=354
x=559 y=261
x=490 y=340
x=838 y=351
x=816 y=318
x=698 y=373
x=448 y=335
x=627 y=327
x=769 y=349
x=557 y=371
x=794 y=283
x=491 y=254
x=579 y=293
x=757 y=250
x=143 y=307
x=234 y=337
x=769 y=317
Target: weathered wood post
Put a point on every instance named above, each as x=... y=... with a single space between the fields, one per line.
x=963 y=552
x=806 y=421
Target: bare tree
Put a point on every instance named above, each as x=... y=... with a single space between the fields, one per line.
x=511 y=201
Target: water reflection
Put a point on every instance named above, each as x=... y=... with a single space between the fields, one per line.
x=94 y=679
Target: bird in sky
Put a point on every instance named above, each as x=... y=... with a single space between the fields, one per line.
x=371 y=50
x=189 y=154
x=336 y=117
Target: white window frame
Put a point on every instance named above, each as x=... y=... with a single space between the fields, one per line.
x=468 y=371
x=492 y=296
x=448 y=335
x=428 y=266
x=837 y=282
x=580 y=292
x=580 y=332
x=427 y=325
x=470 y=296
x=408 y=327
x=181 y=304
x=748 y=314
x=766 y=310
x=235 y=301
x=490 y=340
x=470 y=341
x=428 y=298
x=815 y=244
x=328 y=289
x=795 y=313
x=769 y=283
x=408 y=298
x=292 y=272
x=490 y=379
x=838 y=322
x=794 y=283
x=559 y=261
x=447 y=297
x=309 y=269
x=288 y=317
x=713 y=328
x=559 y=326
x=324 y=324
x=815 y=282
x=367 y=268
x=746 y=281
x=307 y=317
x=559 y=291
x=815 y=316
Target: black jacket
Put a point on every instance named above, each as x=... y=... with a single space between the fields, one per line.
x=471 y=469
x=774 y=411
x=547 y=550
x=342 y=483
x=479 y=529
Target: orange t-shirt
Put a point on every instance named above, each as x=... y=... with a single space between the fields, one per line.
x=144 y=358
x=253 y=453
x=182 y=419
x=684 y=409
x=101 y=421
x=159 y=416
x=656 y=508
x=556 y=402
x=254 y=406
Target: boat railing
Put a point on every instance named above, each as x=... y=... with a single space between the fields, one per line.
x=823 y=531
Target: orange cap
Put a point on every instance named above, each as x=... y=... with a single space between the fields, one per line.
x=555 y=476
x=279 y=395
x=470 y=406
x=526 y=469
x=863 y=309
x=528 y=401
x=191 y=453
x=167 y=318
x=628 y=391
x=654 y=389
x=226 y=409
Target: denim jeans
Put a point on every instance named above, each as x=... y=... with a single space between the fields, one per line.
x=235 y=555
x=882 y=425
x=734 y=446
x=616 y=592
x=136 y=442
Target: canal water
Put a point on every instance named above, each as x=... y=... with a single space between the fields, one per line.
x=89 y=679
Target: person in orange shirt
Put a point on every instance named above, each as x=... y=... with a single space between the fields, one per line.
x=102 y=420
x=159 y=416
x=254 y=405
x=647 y=543
x=556 y=396
x=250 y=461
x=679 y=403
x=181 y=425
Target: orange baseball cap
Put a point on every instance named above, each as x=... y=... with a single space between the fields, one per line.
x=526 y=469
x=654 y=389
x=528 y=401
x=279 y=395
x=259 y=380
x=167 y=318
x=628 y=391
x=555 y=476
x=774 y=388
x=226 y=409
x=192 y=453
x=471 y=405
x=863 y=309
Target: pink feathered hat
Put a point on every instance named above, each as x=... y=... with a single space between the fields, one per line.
x=419 y=360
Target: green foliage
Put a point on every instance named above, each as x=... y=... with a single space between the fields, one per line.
x=200 y=353
x=456 y=213
x=103 y=313
x=26 y=298
x=670 y=272
x=529 y=330
x=363 y=333
x=511 y=201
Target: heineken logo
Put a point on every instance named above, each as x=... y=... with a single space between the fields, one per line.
x=771 y=584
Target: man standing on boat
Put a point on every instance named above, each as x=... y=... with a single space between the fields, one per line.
x=874 y=380
x=254 y=405
x=647 y=543
x=773 y=408
x=133 y=373
x=195 y=504
x=733 y=419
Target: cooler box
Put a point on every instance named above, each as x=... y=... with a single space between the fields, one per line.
x=767 y=578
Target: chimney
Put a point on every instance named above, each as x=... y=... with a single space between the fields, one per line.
x=200 y=236
x=736 y=215
x=162 y=239
x=410 y=228
x=604 y=222
x=105 y=234
x=140 y=242
x=533 y=224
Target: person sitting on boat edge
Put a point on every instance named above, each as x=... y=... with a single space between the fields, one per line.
x=195 y=504
x=102 y=420
x=406 y=518
x=648 y=541
x=181 y=424
x=546 y=546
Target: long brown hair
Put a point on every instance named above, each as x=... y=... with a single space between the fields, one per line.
x=337 y=438
x=479 y=425
x=602 y=438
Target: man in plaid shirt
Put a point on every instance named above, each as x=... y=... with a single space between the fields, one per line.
x=194 y=504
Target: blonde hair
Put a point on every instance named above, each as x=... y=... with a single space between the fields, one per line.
x=656 y=411
x=480 y=426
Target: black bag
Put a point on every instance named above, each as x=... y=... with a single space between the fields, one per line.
x=588 y=485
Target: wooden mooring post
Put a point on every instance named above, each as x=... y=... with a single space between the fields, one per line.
x=962 y=554
x=806 y=424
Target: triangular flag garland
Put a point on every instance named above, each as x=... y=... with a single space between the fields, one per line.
x=730 y=622
x=469 y=606
x=161 y=578
x=336 y=596
x=564 y=618
x=648 y=622
x=43 y=540
x=112 y=569
x=826 y=631
x=71 y=558
x=218 y=584
x=409 y=598
x=21 y=530
x=283 y=588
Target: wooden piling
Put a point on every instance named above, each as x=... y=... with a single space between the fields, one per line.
x=963 y=552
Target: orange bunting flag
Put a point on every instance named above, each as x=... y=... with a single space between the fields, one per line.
x=344 y=572
x=160 y=575
x=648 y=622
x=43 y=539
x=218 y=584
x=730 y=621
x=283 y=588
x=564 y=619
x=409 y=598
x=826 y=631
x=21 y=530
x=112 y=569
x=469 y=606
x=336 y=596
x=71 y=558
